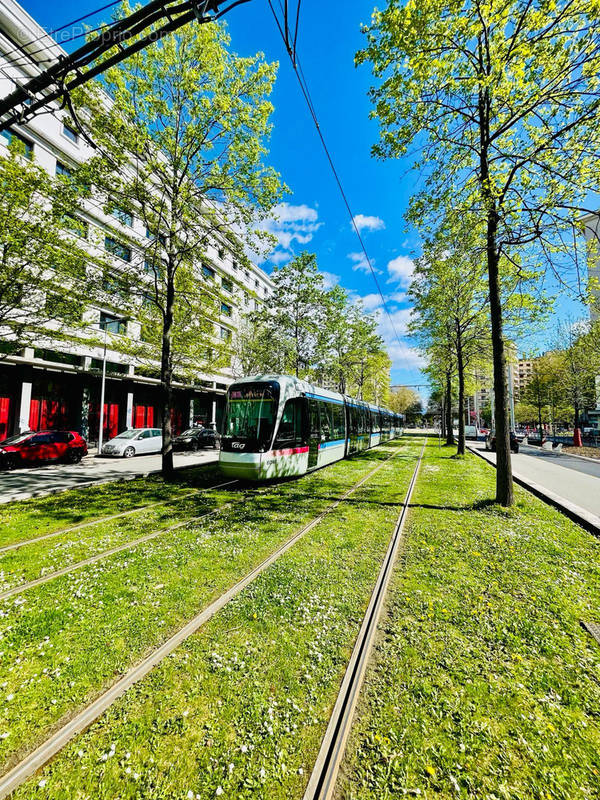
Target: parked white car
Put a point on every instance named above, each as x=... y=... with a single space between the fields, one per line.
x=134 y=442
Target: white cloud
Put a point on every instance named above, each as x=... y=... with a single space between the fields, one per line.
x=359 y=262
x=330 y=279
x=401 y=269
x=289 y=213
x=291 y=224
x=371 y=302
x=367 y=223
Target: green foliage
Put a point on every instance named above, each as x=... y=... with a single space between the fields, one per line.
x=500 y=102
x=46 y=276
x=317 y=334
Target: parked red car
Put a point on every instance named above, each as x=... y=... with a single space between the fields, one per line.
x=34 y=447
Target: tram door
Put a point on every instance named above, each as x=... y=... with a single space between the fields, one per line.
x=314 y=433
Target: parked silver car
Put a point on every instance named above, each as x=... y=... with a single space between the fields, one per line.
x=134 y=442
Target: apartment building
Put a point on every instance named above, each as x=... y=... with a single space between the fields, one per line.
x=522 y=373
x=57 y=383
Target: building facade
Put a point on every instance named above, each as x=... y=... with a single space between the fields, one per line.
x=57 y=382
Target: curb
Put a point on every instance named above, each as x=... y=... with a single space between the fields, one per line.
x=586 y=519
x=87 y=484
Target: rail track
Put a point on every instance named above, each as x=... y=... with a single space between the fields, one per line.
x=81 y=720
x=89 y=523
x=322 y=781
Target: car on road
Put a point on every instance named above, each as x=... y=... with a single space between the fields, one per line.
x=38 y=447
x=490 y=442
x=134 y=442
x=197 y=439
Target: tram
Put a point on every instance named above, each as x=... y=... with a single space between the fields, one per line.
x=277 y=426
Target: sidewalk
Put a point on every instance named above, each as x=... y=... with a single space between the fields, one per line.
x=21 y=484
x=569 y=483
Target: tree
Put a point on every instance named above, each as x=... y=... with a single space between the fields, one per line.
x=402 y=398
x=183 y=147
x=295 y=314
x=318 y=334
x=46 y=276
x=450 y=308
x=543 y=389
x=579 y=367
x=501 y=100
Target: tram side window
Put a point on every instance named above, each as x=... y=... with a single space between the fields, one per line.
x=339 y=422
x=362 y=420
x=325 y=410
x=290 y=427
x=352 y=420
x=313 y=411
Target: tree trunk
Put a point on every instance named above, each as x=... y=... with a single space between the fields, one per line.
x=449 y=431
x=540 y=420
x=166 y=380
x=461 y=397
x=504 y=482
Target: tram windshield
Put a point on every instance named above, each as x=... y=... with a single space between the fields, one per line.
x=251 y=415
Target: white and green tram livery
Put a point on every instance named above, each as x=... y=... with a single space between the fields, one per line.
x=277 y=425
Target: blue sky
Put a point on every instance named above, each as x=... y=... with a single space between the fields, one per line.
x=314 y=216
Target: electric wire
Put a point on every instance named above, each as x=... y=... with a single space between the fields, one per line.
x=50 y=33
x=302 y=82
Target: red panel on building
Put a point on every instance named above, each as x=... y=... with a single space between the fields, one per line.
x=4 y=416
x=143 y=416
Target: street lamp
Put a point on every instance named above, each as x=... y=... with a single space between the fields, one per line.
x=112 y=324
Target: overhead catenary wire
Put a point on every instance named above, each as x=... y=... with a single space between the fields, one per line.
x=302 y=82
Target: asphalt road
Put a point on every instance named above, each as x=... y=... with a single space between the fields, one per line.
x=21 y=484
x=575 y=479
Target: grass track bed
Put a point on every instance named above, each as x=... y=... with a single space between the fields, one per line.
x=27 y=519
x=239 y=710
x=483 y=684
x=40 y=558
x=61 y=643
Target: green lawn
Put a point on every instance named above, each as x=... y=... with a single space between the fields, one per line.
x=62 y=642
x=239 y=710
x=484 y=685
x=39 y=558
x=27 y=519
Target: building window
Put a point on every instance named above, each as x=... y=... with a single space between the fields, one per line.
x=225 y=334
x=112 y=323
x=22 y=144
x=225 y=309
x=256 y=283
x=70 y=133
x=227 y=285
x=208 y=272
x=124 y=217
x=153 y=268
x=117 y=248
x=75 y=225
x=159 y=237
x=221 y=253
x=62 y=170
x=235 y=265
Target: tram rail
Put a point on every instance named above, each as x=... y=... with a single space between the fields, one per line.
x=81 y=720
